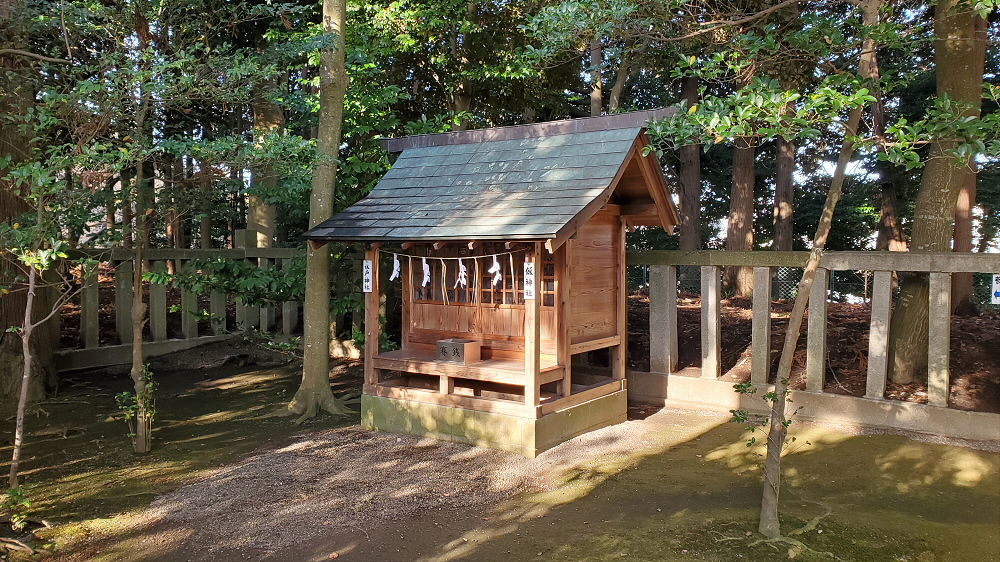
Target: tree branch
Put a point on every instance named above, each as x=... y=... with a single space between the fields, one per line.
x=727 y=23
x=29 y=54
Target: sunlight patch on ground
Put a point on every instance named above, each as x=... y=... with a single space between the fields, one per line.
x=911 y=466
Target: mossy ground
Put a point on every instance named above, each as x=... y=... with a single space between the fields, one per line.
x=695 y=495
x=689 y=492
x=80 y=473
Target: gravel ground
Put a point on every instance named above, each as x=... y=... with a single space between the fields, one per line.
x=346 y=481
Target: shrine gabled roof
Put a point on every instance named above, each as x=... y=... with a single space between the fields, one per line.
x=515 y=188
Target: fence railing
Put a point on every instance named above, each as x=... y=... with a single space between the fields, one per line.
x=201 y=319
x=663 y=284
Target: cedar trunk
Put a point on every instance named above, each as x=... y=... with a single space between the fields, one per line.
x=16 y=97
x=784 y=195
x=268 y=118
x=690 y=179
x=596 y=82
x=961 y=283
x=314 y=392
x=959 y=50
x=739 y=232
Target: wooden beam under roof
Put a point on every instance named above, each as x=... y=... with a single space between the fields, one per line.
x=547 y=129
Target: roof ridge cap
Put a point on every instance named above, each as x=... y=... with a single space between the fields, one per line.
x=629 y=120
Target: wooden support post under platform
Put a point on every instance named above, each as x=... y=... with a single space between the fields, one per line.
x=562 y=299
x=532 y=337
x=619 y=353
x=371 y=318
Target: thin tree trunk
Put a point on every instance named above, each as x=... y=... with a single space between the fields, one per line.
x=205 y=186
x=739 y=231
x=28 y=356
x=127 y=195
x=770 y=525
x=314 y=392
x=959 y=56
x=690 y=179
x=596 y=82
x=141 y=441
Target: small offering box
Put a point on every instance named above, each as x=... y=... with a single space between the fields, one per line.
x=458 y=350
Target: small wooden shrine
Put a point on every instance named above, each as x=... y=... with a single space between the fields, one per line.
x=509 y=248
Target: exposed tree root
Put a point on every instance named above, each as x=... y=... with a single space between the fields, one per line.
x=724 y=538
x=16 y=546
x=307 y=403
x=794 y=543
x=814 y=522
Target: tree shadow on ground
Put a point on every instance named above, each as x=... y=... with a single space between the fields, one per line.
x=675 y=485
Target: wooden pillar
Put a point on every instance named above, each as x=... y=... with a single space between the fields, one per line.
x=562 y=300
x=760 y=361
x=816 y=332
x=619 y=353
x=939 y=339
x=711 y=334
x=878 y=336
x=406 y=272
x=663 y=318
x=90 y=307
x=158 y=305
x=532 y=339
x=371 y=318
x=123 y=301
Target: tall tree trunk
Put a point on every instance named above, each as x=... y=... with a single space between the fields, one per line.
x=959 y=46
x=621 y=78
x=461 y=100
x=596 y=81
x=961 y=283
x=690 y=179
x=314 y=392
x=770 y=525
x=268 y=119
x=739 y=231
x=16 y=97
x=784 y=195
x=890 y=231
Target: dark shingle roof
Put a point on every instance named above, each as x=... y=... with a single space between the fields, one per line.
x=508 y=189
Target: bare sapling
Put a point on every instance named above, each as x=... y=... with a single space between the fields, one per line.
x=36 y=261
x=769 y=525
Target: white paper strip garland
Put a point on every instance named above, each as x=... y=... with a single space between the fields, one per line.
x=463 y=275
x=496 y=270
x=395 y=267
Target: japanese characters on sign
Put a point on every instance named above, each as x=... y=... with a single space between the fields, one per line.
x=995 y=290
x=529 y=280
x=366 y=282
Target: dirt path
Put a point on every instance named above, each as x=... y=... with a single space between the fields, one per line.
x=668 y=486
